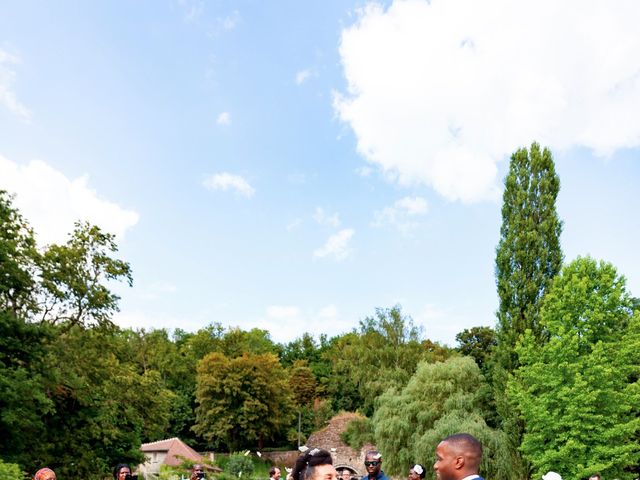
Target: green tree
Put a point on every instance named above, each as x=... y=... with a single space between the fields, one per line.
x=242 y=401
x=302 y=383
x=18 y=260
x=104 y=407
x=478 y=343
x=440 y=399
x=528 y=255
x=383 y=353
x=236 y=342
x=24 y=388
x=74 y=278
x=579 y=394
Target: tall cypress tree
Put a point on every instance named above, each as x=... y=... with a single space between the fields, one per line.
x=528 y=256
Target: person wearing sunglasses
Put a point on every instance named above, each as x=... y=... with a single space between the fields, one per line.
x=373 y=464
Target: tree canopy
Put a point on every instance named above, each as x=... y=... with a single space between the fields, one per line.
x=579 y=393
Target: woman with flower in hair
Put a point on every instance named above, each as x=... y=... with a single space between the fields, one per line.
x=417 y=472
x=45 y=474
x=314 y=464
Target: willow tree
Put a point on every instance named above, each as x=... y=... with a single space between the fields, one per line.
x=440 y=399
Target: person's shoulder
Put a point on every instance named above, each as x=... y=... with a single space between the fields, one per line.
x=382 y=476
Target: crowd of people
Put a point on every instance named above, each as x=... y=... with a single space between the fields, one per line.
x=458 y=457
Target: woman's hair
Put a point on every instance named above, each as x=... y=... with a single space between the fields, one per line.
x=118 y=467
x=306 y=462
x=419 y=469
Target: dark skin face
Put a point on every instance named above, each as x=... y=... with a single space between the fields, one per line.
x=448 y=463
x=413 y=475
x=325 y=472
x=124 y=471
x=374 y=469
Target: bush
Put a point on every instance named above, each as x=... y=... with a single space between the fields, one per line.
x=239 y=466
x=10 y=471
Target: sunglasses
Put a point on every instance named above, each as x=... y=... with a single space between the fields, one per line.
x=371 y=464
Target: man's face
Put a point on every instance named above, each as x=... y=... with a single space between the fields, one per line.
x=276 y=474
x=198 y=471
x=346 y=475
x=373 y=465
x=445 y=466
x=325 y=472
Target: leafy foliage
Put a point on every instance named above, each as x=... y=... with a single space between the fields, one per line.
x=359 y=432
x=74 y=277
x=10 y=471
x=440 y=399
x=579 y=394
x=239 y=466
x=241 y=400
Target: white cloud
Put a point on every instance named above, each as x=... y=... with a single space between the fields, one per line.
x=402 y=214
x=227 y=181
x=302 y=76
x=337 y=246
x=324 y=218
x=8 y=97
x=52 y=203
x=287 y=322
x=440 y=91
x=224 y=118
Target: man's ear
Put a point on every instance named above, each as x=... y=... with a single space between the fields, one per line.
x=459 y=462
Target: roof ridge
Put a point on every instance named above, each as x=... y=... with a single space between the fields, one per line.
x=160 y=441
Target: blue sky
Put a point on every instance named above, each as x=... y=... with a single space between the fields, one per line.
x=294 y=165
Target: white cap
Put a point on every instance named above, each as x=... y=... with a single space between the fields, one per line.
x=551 y=476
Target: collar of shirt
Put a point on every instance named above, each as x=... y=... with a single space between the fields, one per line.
x=471 y=477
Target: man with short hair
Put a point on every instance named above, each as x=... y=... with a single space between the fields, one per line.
x=458 y=458
x=346 y=474
x=197 y=472
x=595 y=476
x=274 y=473
x=373 y=464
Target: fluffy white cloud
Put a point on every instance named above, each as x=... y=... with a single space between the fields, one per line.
x=440 y=91
x=337 y=246
x=8 y=97
x=224 y=118
x=402 y=214
x=227 y=181
x=323 y=218
x=52 y=203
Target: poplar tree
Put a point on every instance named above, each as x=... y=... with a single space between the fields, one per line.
x=528 y=255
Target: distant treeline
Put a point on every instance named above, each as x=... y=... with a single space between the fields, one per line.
x=554 y=387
